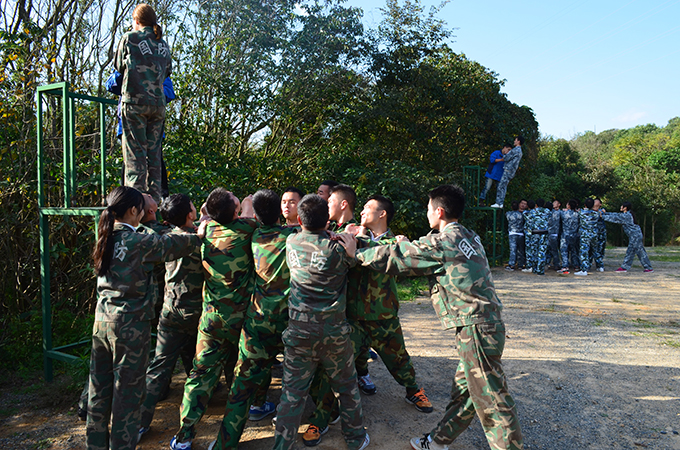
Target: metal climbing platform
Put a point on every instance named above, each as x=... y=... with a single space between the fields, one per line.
x=69 y=166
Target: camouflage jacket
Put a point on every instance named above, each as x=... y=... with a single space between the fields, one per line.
x=515 y=222
x=588 y=222
x=537 y=219
x=512 y=159
x=626 y=219
x=372 y=295
x=145 y=63
x=228 y=263
x=154 y=227
x=570 y=222
x=318 y=278
x=127 y=291
x=463 y=291
x=554 y=221
x=272 y=277
x=184 y=278
x=340 y=228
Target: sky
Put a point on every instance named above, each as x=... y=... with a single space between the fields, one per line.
x=583 y=65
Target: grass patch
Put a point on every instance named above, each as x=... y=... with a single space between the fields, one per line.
x=410 y=288
x=598 y=322
x=641 y=323
x=616 y=300
x=665 y=258
x=671 y=343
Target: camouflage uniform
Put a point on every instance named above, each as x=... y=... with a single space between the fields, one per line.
x=569 y=241
x=260 y=341
x=529 y=216
x=553 y=255
x=516 y=238
x=372 y=310
x=588 y=235
x=601 y=243
x=317 y=335
x=121 y=334
x=511 y=159
x=228 y=263
x=635 y=239
x=538 y=240
x=145 y=62
x=177 y=326
x=464 y=297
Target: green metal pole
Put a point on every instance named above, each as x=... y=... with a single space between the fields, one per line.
x=66 y=102
x=102 y=142
x=72 y=150
x=39 y=125
x=46 y=304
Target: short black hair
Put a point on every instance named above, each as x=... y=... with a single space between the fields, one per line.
x=329 y=183
x=531 y=204
x=385 y=204
x=347 y=194
x=573 y=204
x=267 y=206
x=589 y=203
x=221 y=205
x=313 y=212
x=449 y=197
x=294 y=189
x=540 y=202
x=175 y=209
x=514 y=205
x=508 y=144
x=520 y=138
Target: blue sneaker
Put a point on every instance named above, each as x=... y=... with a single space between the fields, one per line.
x=174 y=445
x=366 y=385
x=142 y=432
x=260 y=412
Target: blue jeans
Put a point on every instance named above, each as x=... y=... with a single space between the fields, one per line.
x=487 y=187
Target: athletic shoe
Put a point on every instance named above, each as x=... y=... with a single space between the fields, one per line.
x=600 y=269
x=563 y=270
x=82 y=414
x=260 y=412
x=274 y=421
x=335 y=417
x=142 y=432
x=366 y=385
x=649 y=270
x=212 y=445
x=312 y=436
x=425 y=443
x=496 y=205
x=581 y=273
x=528 y=270
x=420 y=401
x=509 y=268
x=174 y=445
x=372 y=354
x=367 y=440
x=620 y=270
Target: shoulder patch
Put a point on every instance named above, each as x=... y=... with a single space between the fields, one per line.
x=467 y=249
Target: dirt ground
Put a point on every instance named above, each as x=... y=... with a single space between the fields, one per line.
x=592 y=362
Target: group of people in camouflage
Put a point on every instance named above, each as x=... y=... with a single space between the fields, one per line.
x=244 y=288
x=541 y=233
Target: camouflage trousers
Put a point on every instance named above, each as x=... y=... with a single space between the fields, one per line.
x=308 y=346
x=177 y=330
x=479 y=386
x=569 y=247
x=387 y=339
x=636 y=247
x=216 y=349
x=597 y=252
x=516 y=243
x=141 y=142
x=120 y=354
x=259 y=344
x=537 y=247
x=502 y=188
x=588 y=242
x=553 y=255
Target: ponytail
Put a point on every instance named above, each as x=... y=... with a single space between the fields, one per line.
x=120 y=200
x=146 y=16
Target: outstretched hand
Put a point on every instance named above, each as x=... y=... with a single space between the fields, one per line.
x=201 y=229
x=349 y=243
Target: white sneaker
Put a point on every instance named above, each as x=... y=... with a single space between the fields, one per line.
x=581 y=273
x=528 y=270
x=426 y=443
x=600 y=269
x=496 y=205
x=367 y=440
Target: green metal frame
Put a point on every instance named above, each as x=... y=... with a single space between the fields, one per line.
x=473 y=177
x=70 y=166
